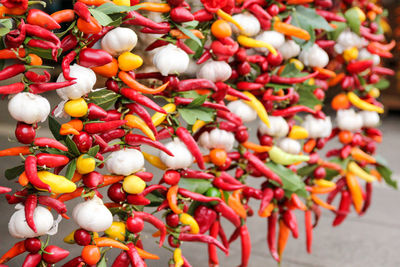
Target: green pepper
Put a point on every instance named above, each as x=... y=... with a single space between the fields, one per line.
x=279 y=156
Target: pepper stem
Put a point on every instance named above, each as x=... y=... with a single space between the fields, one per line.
x=43 y=3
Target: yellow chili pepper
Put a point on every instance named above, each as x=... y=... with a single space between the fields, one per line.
x=297 y=63
x=250 y=42
x=154 y=7
x=355 y=191
x=350 y=53
x=374 y=92
x=258 y=107
x=197 y=125
x=298 y=132
x=361 y=104
x=324 y=183
x=189 y=220
x=353 y=168
x=58 y=184
x=178 y=257
x=85 y=164
x=158 y=117
x=225 y=16
x=69 y=239
x=133 y=121
x=155 y=161
x=116 y=231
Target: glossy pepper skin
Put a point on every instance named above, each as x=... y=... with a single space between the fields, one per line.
x=90 y=57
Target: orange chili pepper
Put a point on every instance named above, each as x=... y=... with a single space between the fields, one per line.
x=109 y=242
x=355 y=191
x=92 y=27
x=67 y=129
x=66 y=15
x=283 y=237
x=180 y=35
x=132 y=83
x=325 y=72
x=68 y=196
x=110 y=205
x=108 y=70
x=235 y=203
x=360 y=155
x=291 y=30
x=94 y=2
x=111 y=179
x=155 y=7
x=11 y=11
x=309 y=145
x=296 y=201
x=330 y=165
x=203 y=91
x=256 y=147
x=337 y=79
x=322 y=203
x=172 y=198
x=298 y=2
x=146 y=255
x=375 y=173
x=371 y=15
x=10 y=53
x=321 y=189
x=77 y=177
x=334 y=26
x=267 y=211
x=231 y=97
x=23 y=179
x=16 y=250
x=34 y=60
x=15 y=151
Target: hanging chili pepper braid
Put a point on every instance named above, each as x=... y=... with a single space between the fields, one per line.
x=213 y=73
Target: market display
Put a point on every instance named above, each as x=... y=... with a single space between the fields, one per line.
x=186 y=79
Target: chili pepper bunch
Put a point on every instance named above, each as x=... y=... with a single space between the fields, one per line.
x=215 y=69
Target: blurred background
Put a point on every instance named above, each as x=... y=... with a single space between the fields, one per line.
x=371 y=240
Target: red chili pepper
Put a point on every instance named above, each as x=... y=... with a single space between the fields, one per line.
x=45 y=45
x=49 y=142
x=141 y=99
x=271 y=235
x=204 y=57
x=17 y=197
x=189 y=173
x=112 y=115
x=268 y=96
x=344 y=208
x=31 y=173
x=135 y=199
x=368 y=198
x=227 y=126
x=42 y=33
x=212 y=249
x=228 y=213
x=11 y=71
x=156 y=31
x=102 y=127
x=374 y=49
x=262 y=15
x=143 y=114
x=180 y=15
x=82 y=11
x=191 y=144
x=186 y=101
x=96 y=37
x=249 y=86
x=267 y=195
x=90 y=57
x=75 y=262
x=134 y=256
x=293 y=110
x=112 y=134
x=155 y=222
x=203 y=15
x=359 y=66
x=145 y=176
x=136 y=140
x=65 y=65
x=53 y=203
x=32 y=259
x=134 y=18
x=4 y=190
x=330 y=16
x=339 y=186
x=42 y=19
x=249 y=192
x=345 y=151
x=194 y=84
x=51 y=160
x=292 y=80
x=230 y=116
x=37 y=78
x=12 y=88
x=205 y=217
x=149 y=75
x=15 y=38
x=156 y=44
x=202 y=238
x=309 y=228
x=291 y=222
x=95 y=112
x=224 y=48
x=261 y=167
x=196 y=196
x=122 y=260
x=181 y=44
x=39 y=88
x=69 y=42
x=366 y=33
x=382 y=70
x=30 y=206
x=246 y=245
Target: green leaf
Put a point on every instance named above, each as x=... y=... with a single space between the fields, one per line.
x=290 y=70
x=5 y=26
x=55 y=126
x=330 y=174
x=382 y=84
x=340 y=27
x=292 y=183
x=387 y=175
x=60 y=34
x=306 y=170
x=93 y=151
x=111 y=8
x=102 y=262
x=353 y=20
x=189 y=94
x=155 y=198
x=101 y=17
x=103 y=98
x=70 y=169
x=190 y=115
x=4 y=31
x=189 y=34
x=304 y=18
x=191 y=24
x=307 y=97
x=72 y=146
x=195 y=185
x=278 y=86
x=43 y=53
x=197 y=102
x=14 y=172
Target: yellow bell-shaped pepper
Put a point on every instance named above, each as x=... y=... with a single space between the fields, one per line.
x=58 y=184
x=116 y=231
x=298 y=132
